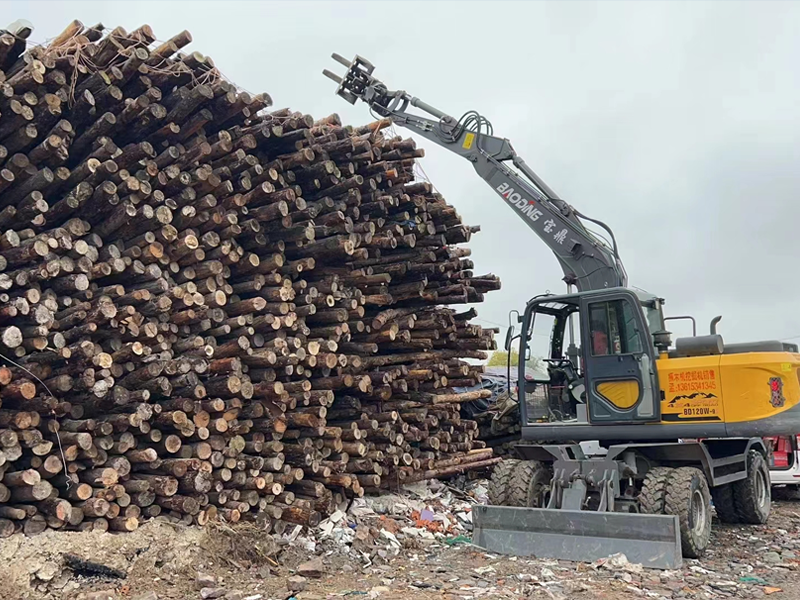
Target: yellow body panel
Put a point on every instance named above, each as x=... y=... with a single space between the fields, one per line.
x=622 y=394
x=728 y=388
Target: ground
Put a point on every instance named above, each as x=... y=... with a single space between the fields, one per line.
x=414 y=544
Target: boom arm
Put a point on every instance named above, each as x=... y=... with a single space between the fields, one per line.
x=587 y=262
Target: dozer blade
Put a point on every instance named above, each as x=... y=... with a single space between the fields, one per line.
x=652 y=540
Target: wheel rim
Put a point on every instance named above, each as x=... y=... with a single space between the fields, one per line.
x=761 y=489
x=698 y=512
x=540 y=497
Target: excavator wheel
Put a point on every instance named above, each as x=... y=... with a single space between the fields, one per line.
x=751 y=495
x=500 y=482
x=724 y=504
x=786 y=493
x=530 y=483
x=687 y=497
x=654 y=491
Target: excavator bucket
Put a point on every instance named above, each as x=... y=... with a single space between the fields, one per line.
x=652 y=540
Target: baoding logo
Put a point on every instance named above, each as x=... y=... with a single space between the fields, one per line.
x=525 y=206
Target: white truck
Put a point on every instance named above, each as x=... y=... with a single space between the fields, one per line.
x=784 y=467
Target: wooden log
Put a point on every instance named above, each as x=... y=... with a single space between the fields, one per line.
x=31 y=493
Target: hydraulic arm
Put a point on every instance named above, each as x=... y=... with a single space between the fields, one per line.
x=588 y=262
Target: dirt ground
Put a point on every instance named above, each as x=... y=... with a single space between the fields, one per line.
x=161 y=561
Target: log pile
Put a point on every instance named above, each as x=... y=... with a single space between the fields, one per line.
x=499 y=432
x=210 y=309
x=498 y=416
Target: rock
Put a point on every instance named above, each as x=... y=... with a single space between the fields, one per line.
x=209 y=593
x=71 y=586
x=101 y=595
x=378 y=590
x=326 y=528
x=391 y=537
x=312 y=568
x=362 y=533
x=146 y=596
x=788 y=555
x=203 y=580
x=727 y=586
x=61 y=581
x=411 y=531
x=48 y=571
x=772 y=557
x=618 y=562
x=296 y=583
x=337 y=516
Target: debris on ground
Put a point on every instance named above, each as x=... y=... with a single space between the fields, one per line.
x=414 y=542
x=296 y=583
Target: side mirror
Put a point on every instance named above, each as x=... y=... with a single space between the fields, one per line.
x=509 y=337
x=527 y=353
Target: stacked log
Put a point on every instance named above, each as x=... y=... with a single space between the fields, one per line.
x=210 y=309
x=498 y=416
x=499 y=432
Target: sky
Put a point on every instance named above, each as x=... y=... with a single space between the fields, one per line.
x=675 y=123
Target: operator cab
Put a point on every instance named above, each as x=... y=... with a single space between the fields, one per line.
x=605 y=374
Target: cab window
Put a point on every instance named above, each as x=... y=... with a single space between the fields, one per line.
x=613 y=328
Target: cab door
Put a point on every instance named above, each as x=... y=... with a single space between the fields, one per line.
x=619 y=358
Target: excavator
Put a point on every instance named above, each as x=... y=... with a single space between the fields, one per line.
x=629 y=438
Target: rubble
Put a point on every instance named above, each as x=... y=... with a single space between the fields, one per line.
x=296 y=583
x=312 y=568
x=204 y=580
x=416 y=541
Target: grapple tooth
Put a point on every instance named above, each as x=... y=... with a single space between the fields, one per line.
x=331 y=75
x=341 y=59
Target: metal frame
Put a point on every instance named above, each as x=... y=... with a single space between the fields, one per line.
x=575 y=474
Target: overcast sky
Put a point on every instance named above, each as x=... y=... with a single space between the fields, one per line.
x=675 y=123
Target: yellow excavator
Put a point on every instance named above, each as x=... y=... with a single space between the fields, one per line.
x=629 y=437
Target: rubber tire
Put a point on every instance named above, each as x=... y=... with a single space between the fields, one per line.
x=681 y=486
x=786 y=493
x=724 y=504
x=652 y=498
x=526 y=482
x=744 y=491
x=500 y=481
